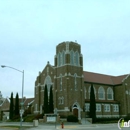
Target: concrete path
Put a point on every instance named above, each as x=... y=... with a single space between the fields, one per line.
x=85 y=122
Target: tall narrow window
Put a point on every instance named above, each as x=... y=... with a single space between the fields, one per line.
x=87 y=106
x=101 y=93
x=58 y=59
x=61 y=60
x=109 y=94
x=98 y=107
x=116 y=108
x=107 y=107
x=60 y=82
x=61 y=100
x=71 y=57
x=75 y=82
x=48 y=82
x=76 y=58
x=63 y=57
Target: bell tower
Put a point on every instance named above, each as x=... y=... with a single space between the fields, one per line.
x=68 y=79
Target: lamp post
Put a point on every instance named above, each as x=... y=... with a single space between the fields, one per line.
x=22 y=109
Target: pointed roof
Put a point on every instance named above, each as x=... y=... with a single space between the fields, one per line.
x=28 y=101
x=5 y=104
x=102 y=78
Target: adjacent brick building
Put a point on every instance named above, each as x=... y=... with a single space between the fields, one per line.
x=71 y=86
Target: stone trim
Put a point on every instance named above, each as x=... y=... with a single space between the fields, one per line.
x=100 y=116
x=69 y=65
x=69 y=74
x=125 y=78
x=63 y=110
x=123 y=115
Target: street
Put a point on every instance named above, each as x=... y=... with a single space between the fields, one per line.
x=72 y=126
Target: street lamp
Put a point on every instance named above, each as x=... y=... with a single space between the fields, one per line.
x=22 y=103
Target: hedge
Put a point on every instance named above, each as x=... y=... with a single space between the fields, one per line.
x=72 y=118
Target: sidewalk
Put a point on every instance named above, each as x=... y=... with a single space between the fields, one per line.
x=67 y=126
x=45 y=126
x=85 y=122
x=53 y=126
x=41 y=126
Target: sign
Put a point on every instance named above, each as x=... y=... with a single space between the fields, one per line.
x=51 y=118
x=21 y=112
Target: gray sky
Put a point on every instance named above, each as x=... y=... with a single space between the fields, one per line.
x=31 y=29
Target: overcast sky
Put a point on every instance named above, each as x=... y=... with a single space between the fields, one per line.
x=31 y=29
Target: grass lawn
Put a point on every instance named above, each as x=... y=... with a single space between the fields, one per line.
x=16 y=127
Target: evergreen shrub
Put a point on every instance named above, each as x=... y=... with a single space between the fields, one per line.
x=72 y=118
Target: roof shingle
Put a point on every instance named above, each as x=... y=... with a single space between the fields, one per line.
x=102 y=78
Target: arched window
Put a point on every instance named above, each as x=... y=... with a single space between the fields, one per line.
x=75 y=81
x=109 y=94
x=48 y=82
x=60 y=82
x=76 y=58
x=89 y=89
x=63 y=57
x=101 y=93
x=71 y=57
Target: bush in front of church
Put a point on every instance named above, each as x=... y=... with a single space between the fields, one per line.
x=72 y=118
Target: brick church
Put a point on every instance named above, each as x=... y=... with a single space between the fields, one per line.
x=71 y=86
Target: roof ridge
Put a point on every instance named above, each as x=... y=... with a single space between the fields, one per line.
x=104 y=74
x=98 y=73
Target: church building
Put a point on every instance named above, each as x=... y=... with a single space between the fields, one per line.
x=71 y=86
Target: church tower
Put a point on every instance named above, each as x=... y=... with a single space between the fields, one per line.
x=68 y=79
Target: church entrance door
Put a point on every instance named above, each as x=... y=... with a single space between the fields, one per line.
x=75 y=112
